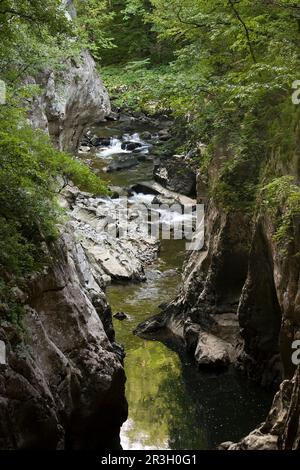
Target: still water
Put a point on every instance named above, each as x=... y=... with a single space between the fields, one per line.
x=171 y=404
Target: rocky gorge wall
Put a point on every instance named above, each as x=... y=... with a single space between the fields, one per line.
x=70 y=101
x=62 y=385
x=239 y=303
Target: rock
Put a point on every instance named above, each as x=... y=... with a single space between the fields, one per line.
x=84 y=149
x=119 y=351
x=112 y=116
x=255 y=441
x=122 y=162
x=146 y=135
x=100 y=141
x=148 y=187
x=63 y=384
x=211 y=351
x=260 y=314
x=160 y=199
x=121 y=316
x=164 y=135
x=117 y=192
x=147 y=328
x=176 y=174
x=142 y=149
x=70 y=194
x=95 y=223
x=69 y=101
x=130 y=146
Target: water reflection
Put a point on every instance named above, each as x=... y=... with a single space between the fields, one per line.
x=171 y=404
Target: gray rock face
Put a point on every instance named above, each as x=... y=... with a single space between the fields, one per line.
x=239 y=303
x=177 y=174
x=63 y=384
x=112 y=254
x=70 y=102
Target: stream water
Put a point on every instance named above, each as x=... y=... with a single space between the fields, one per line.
x=171 y=404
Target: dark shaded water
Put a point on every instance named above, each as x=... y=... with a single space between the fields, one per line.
x=171 y=404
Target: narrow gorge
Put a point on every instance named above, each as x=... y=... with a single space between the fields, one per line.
x=113 y=335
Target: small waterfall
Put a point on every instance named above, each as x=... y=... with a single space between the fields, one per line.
x=114 y=148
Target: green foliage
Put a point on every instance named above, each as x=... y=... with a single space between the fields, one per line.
x=10 y=308
x=79 y=173
x=281 y=198
x=133 y=37
x=227 y=78
x=34 y=35
x=93 y=20
x=29 y=171
x=137 y=87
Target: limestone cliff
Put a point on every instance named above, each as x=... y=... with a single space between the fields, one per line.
x=62 y=385
x=70 y=101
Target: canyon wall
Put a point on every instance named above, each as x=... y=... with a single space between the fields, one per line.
x=70 y=101
x=62 y=384
x=239 y=302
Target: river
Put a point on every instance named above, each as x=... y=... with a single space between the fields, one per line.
x=171 y=404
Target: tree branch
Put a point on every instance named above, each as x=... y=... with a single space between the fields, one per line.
x=240 y=19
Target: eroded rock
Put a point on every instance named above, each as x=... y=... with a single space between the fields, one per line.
x=69 y=102
x=176 y=174
x=63 y=383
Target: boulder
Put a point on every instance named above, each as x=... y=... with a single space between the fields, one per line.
x=69 y=102
x=121 y=316
x=176 y=174
x=130 y=146
x=211 y=351
x=84 y=149
x=122 y=162
x=150 y=187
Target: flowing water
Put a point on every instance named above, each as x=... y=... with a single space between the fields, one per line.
x=171 y=404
